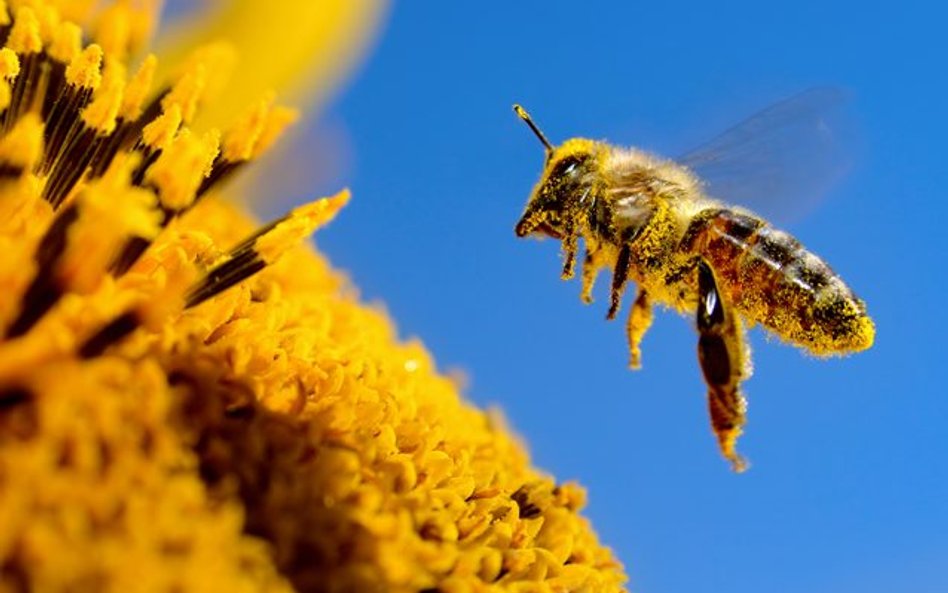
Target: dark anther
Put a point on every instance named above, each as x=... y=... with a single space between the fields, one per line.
x=8 y=171
x=224 y=276
x=19 y=416
x=244 y=411
x=13 y=397
x=71 y=166
x=221 y=170
x=39 y=298
x=112 y=333
x=528 y=510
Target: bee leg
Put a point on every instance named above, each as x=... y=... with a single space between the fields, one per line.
x=569 y=247
x=620 y=275
x=590 y=271
x=722 y=354
x=640 y=319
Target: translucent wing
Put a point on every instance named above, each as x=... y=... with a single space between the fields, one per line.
x=780 y=161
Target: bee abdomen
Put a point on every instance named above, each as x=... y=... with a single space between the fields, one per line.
x=772 y=279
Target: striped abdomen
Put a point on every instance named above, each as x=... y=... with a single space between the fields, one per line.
x=773 y=280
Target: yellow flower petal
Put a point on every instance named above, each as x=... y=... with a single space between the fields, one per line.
x=301 y=50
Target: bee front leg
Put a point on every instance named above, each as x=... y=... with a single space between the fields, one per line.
x=640 y=319
x=723 y=355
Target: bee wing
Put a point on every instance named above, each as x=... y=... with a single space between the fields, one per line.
x=780 y=161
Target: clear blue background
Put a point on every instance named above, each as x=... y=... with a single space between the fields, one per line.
x=848 y=487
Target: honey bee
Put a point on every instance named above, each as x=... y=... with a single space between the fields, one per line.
x=650 y=220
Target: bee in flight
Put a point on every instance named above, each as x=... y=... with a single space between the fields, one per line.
x=649 y=220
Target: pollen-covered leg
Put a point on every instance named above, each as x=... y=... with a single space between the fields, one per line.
x=620 y=275
x=722 y=354
x=591 y=266
x=640 y=319
x=570 y=246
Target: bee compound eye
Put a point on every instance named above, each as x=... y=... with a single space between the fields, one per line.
x=567 y=167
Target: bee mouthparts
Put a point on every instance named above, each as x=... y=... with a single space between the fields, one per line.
x=526 y=227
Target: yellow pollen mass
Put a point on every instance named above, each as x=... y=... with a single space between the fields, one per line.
x=241 y=138
x=159 y=133
x=210 y=147
x=217 y=60
x=101 y=113
x=301 y=223
x=113 y=30
x=85 y=69
x=23 y=145
x=182 y=165
x=186 y=93
x=125 y=26
x=110 y=211
x=9 y=64
x=48 y=18
x=5 y=94
x=135 y=214
x=138 y=88
x=66 y=43
x=25 y=35
x=77 y=11
x=144 y=20
x=278 y=119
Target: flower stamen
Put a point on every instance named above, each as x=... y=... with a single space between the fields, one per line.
x=72 y=122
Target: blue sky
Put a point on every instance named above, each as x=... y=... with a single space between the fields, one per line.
x=849 y=482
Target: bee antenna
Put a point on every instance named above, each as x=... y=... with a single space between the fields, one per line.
x=522 y=114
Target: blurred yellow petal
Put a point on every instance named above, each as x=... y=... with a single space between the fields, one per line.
x=301 y=50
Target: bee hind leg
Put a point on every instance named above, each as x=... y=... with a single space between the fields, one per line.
x=640 y=319
x=723 y=357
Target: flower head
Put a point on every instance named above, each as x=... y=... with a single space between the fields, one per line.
x=189 y=401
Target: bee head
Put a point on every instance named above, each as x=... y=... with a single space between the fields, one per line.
x=565 y=190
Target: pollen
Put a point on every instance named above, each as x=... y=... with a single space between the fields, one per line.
x=300 y=223
x=137 y=89
x=67 y=43
x=194 y=401
x=85 y=68
x=158 y=134
x=278 y=119
x=25 y=35
x=21 y=148
x=182 y=165
x=187 y=91
x=9 y=64
x=126 y=26
x=203 y=75
x=100 y=115
x=241 y=139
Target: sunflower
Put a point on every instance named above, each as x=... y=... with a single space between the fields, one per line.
x=191 y=401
